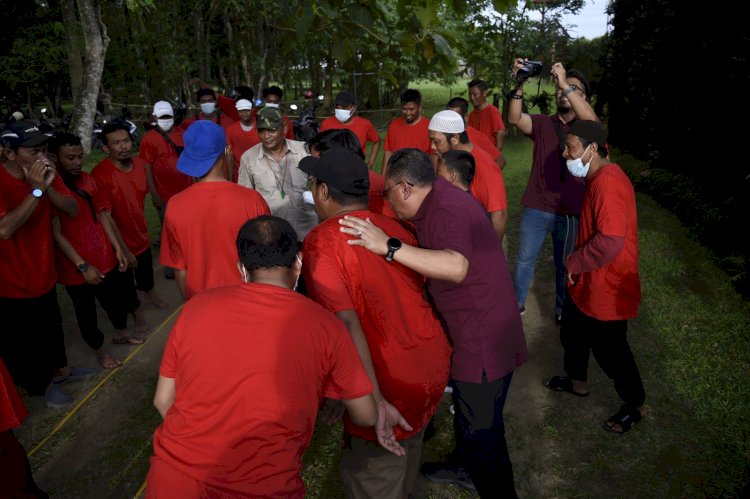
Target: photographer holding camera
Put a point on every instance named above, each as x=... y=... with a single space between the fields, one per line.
x=553 y=197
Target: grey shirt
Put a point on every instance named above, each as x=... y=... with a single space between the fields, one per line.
x=280 y=183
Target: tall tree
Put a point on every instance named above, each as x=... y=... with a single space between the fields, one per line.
x=95 y=42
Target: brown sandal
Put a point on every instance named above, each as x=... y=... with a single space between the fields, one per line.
x=108 y=361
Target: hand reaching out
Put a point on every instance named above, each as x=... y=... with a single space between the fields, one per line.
x=388 y=418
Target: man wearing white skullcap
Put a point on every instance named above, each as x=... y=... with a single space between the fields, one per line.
x=241 y=136
x=447 y=132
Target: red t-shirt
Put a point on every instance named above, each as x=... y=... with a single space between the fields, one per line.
x=219 y=119
x=479 y=139
x=362 y=128
x=488 y=186
x=162 y=157
x=409 y=350
x=228 y=107
x=85 y=234
x=12 y=410
x=488 y=121
x=240 y=141
x=126 y=193
x=200 y=229
x=612 y=292
x=251 y=364
x=27 y=262
x=401 y=134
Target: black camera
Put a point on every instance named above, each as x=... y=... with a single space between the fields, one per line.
x=529 y=69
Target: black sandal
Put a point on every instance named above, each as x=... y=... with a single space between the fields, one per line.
x=563 y=384
x=626 y=417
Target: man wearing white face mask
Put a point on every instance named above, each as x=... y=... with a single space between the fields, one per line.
x=345 y=118
x=209 y=110
x=603 y=283
x=272 y=98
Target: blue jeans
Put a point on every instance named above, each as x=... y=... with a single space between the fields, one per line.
x=535 y=224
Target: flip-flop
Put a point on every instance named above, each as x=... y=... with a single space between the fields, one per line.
x=626 y=417
x=108 y=361
x=128 y=340
x=563 y=384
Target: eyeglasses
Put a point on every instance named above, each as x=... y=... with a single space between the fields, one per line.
x=574 y=87
x=384 y=192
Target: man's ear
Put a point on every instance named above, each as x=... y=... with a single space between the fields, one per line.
x=243 y=272
x=323 y=192
x=105 y=148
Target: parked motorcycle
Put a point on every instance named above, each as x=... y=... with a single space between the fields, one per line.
x=306 y=126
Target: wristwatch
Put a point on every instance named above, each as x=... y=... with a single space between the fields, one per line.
x=394 y=244
x=569 y=90
x=83 y=267
x=37 y=193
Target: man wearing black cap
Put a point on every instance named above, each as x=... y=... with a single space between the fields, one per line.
x=271 y=169
x=345 y=118
x=201 y=222
x=32 y=343
x=207 y=102
x=401 y=343
x=604 y=288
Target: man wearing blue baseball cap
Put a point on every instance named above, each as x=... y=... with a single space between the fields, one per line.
x=201 y=223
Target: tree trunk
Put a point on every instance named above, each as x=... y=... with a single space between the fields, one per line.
x=73 y=37
x=95 y=41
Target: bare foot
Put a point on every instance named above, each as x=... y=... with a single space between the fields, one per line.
x=107 y=360
x=126 y=337
x=154 y=299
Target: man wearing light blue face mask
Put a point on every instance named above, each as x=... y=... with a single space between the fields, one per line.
x=602 y=275
x=345 y=118
x=207 y=101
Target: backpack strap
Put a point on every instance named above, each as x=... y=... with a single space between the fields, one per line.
x=177 y=149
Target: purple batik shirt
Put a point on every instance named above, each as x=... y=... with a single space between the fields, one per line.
x=551 y=187
x=480 y=314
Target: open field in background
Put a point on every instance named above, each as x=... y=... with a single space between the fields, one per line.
x=691 y=342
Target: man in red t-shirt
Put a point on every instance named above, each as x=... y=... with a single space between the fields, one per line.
x=447 y=132
x=485 y=117
x=227 y=103
x=200 y=227
x=91 y=264
x=604 y=288
x=241 y=136
x=207 y=102
x=122 y=177
x=32 y=343
x=382 y=304
x=159 y=149
x=407 y=130
x=243 y=373
x=345 y=118
x=461 y=106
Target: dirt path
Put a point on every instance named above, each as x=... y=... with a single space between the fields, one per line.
x=100 y=447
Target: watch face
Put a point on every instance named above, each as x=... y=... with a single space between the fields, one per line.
x=394 y=243
x=37 y=193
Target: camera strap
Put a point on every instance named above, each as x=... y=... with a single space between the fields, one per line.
x=561 y=136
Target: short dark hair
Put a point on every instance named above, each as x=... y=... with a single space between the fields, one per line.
x=463 y=137
x=574 y=73
x=343 y=199
x=602 y=151
x=266 y=242
x=479 y=83
x=112 y=127
x=411 y=95
x=60 y=139
x=458 y=103
x=411 y=165
x=205 y=91
x=328 y=139
x=273 y=90
x=244 y=92
x=462 y=163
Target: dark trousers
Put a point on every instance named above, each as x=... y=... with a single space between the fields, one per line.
x=115 y=295
x=144 y=273
x=480 y=435
x=32 y=344
x=581 y=334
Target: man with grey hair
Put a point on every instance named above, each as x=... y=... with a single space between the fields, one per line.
x=271 y=169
